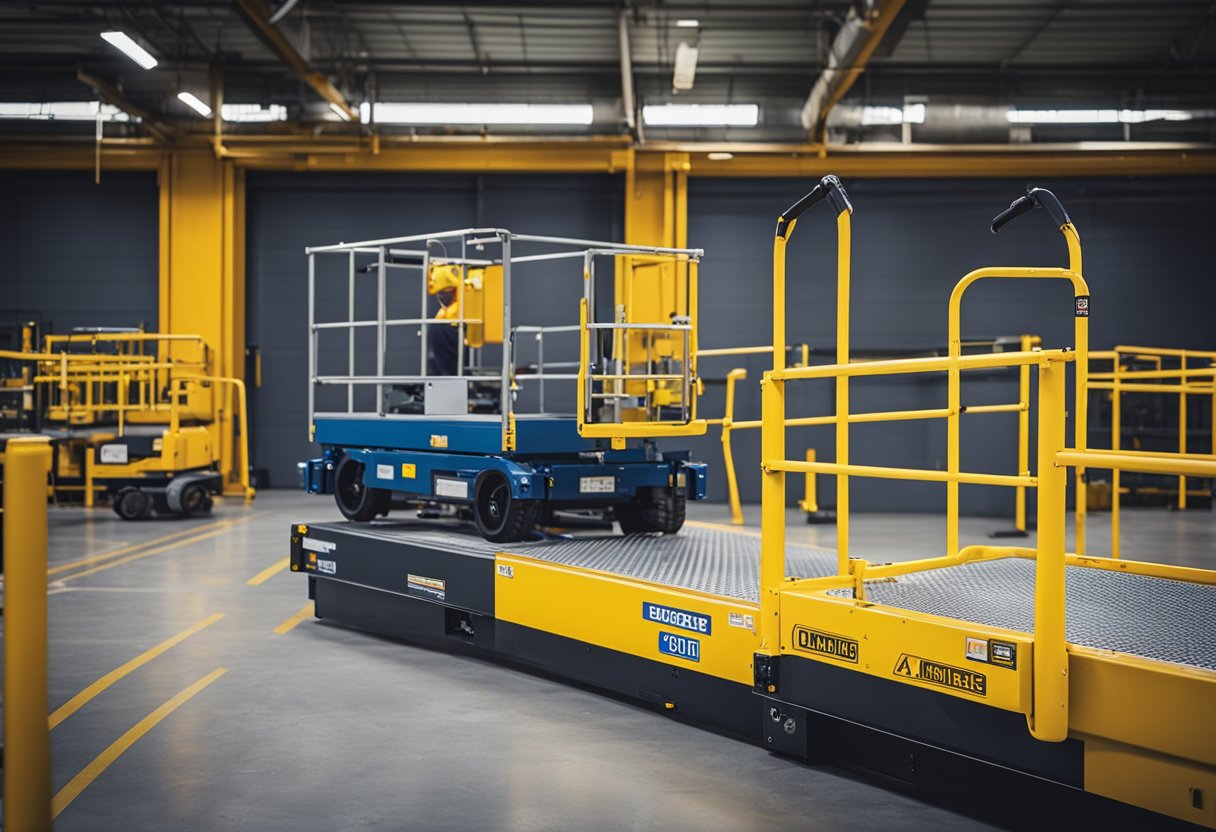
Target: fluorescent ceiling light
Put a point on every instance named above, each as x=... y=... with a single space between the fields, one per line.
x=688 y=23
x=908 y=114
x=701 y=115
x=1108 y=116
x=423 y=113
x=130 y=48
x=190 y=100
x=253 y=112
x=686 y=67
x=62 y=111
x=339 y=112
x=720 y=156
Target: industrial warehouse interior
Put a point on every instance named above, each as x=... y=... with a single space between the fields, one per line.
x=651 y=415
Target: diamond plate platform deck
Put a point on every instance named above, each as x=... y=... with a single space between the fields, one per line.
x=1169 y=621
x=712 y=561
x=1154 y=618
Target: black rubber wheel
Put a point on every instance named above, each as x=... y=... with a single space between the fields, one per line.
x=195 y=500
x=652 y=510
x=355 y=500
x=133 y=504
x=498 y=515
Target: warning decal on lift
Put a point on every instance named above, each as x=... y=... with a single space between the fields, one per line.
x=825 y=644
x=430 y=587
x=943 y=675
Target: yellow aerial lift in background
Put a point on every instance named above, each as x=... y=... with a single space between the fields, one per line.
x=137 y=416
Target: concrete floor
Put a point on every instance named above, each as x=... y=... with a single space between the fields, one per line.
x=318 y=727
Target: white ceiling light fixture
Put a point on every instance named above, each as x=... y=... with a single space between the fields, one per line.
x=62 y=111
x=339 y=112
x=701 y=115
x=720 y=156
x=123 y=43
x=427 y=113
x=686 y=67
x=250 y=113
x=688 y=23
x=192 y=101
x=1104 y=116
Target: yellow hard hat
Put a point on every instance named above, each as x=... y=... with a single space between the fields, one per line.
x=442 y=276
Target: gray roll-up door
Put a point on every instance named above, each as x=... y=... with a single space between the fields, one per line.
x=75 y=253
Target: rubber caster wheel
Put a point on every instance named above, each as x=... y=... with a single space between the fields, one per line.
x=499 y=516
x=133 y=504
x=355 y=500
x=653 y=510
x=195 y=500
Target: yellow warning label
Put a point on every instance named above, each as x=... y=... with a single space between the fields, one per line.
x=825 y=644
x=943 y=675
x=439 y=440
x=302 y=529
x=407 y=471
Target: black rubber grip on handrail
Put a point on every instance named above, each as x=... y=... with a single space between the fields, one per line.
x=828 y=188
x=1035 y=198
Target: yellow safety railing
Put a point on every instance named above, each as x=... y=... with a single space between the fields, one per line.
x=1173 y=375
x=810 y=502
x=1048 y=718
x=27 y=744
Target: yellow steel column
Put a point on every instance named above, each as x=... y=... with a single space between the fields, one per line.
x=1019 y=515
x=1116 y=443
x=27 y=742
x=1049 y=721
x=1182 y=429
x=202 y=280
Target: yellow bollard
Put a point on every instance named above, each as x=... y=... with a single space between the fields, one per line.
x=27 y=742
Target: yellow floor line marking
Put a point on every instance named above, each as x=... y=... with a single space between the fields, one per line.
x=306 y=611
x=81 y=699
x=156 y=551
x=268 y=573
x=701 y=524
x=103 y=760
x=113 y=553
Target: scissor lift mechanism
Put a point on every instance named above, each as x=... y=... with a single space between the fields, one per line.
x=990 y=662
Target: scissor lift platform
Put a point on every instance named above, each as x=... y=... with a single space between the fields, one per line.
x=673 y=621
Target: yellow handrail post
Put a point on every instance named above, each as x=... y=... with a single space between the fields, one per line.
x=27 y=742
x=728 y=459
x=1049 y=720
x=843 y=230
x=1182 y=431
x=1116 y=443
x=1019 y=519
x=810 y=501
x=1081 y=345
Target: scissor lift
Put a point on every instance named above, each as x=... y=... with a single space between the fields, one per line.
x=988 y=664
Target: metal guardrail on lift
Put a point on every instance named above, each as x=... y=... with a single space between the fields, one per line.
x=640 y=381
x=1048 y=718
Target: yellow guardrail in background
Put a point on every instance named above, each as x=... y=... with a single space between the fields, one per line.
x=1172 y=375
x=27 y=743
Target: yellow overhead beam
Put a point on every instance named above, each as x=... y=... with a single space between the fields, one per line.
x=110 y=94
x=613 y=154
x=256 y=13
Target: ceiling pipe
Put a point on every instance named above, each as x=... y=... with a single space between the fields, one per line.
x=627 y=100
x=856 y=41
